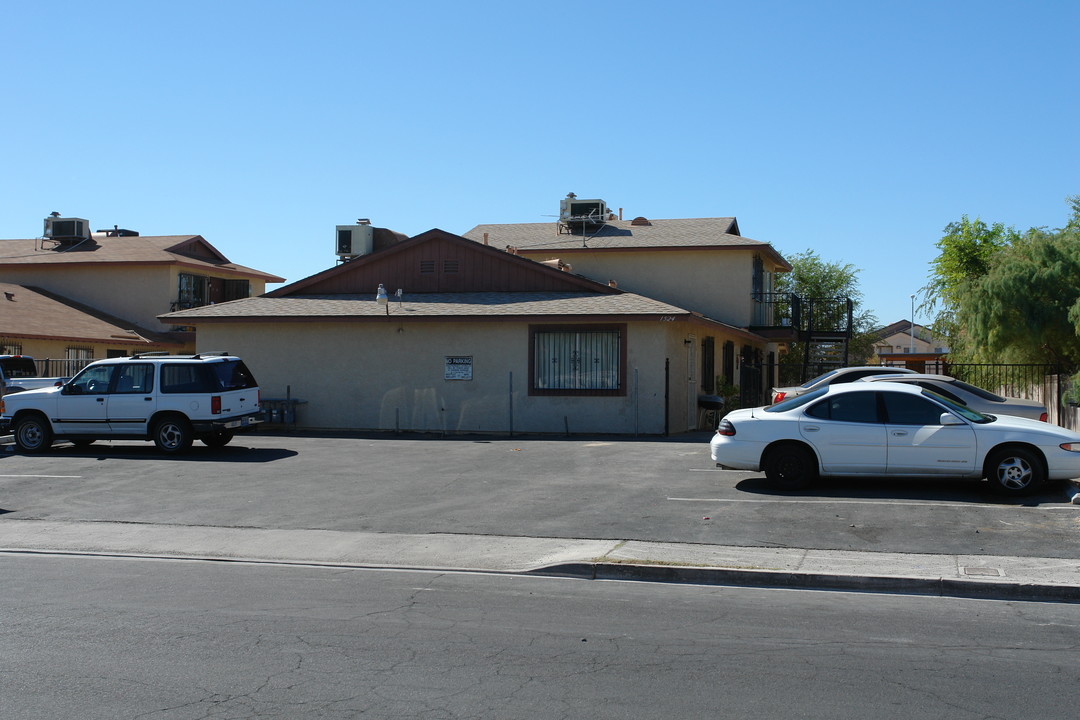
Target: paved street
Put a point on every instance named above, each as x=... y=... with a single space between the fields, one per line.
x=616 y=489
x=114 y=639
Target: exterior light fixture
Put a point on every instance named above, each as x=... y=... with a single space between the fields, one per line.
x=382 y=299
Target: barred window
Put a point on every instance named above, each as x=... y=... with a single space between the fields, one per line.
x=588 y=360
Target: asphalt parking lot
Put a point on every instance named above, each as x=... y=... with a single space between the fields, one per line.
x=665 y=490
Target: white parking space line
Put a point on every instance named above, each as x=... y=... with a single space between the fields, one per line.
x=69 y=477
x=893 y=503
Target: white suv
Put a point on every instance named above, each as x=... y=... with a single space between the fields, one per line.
x=170 y=399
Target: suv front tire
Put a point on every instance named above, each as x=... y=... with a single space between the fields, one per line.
x=33 y=434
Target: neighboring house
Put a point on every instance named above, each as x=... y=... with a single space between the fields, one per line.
x=479 y=340
x=128 y=276
x=911 y=345
x=65 y=334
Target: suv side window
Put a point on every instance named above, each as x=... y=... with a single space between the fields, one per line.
x=185 y=378
x=94 y=380
x=135 y=378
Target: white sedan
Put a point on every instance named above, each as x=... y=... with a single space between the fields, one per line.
x=876 y=429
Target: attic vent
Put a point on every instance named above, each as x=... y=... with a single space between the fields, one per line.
x=427 y=267
x=640 y=221
x=450 y=266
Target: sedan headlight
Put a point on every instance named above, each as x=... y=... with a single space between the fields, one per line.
x=1071 y=447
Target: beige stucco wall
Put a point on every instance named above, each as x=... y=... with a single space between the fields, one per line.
x=716 y=283
x=138 y=293
x=390 y=376
x=55 y=351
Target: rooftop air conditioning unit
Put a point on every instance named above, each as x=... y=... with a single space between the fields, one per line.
x=66 y=229
x=575 y=211
x=354 y=240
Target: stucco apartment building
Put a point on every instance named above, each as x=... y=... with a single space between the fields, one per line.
x=76 y=294
x=568 y=327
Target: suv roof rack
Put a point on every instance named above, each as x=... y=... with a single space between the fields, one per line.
x=150 y=353
x=211 y=353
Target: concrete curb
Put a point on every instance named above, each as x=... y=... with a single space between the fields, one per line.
x=942 y=587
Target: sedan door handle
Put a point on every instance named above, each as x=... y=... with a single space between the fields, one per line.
x=811 y=428
x=899 y=433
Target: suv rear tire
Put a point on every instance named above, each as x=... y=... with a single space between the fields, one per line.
x=173 y=434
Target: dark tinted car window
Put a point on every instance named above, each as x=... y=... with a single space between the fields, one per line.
x=232 y=375
x=94 y=379
x=797 y=401
x=944 y=392
x=858 y=407
x=904 y=409
x=19 y=367
x=187 y=378
x=212 y=377
x=135 y=378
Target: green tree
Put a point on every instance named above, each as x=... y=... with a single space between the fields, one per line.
x=812 y=277
x=1025 y=306
x=1009 y=297
x=968 y=250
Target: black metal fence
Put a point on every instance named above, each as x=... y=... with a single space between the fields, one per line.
x=60 y=367
x=1045 y=383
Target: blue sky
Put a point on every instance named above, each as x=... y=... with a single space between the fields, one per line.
x=856 y=129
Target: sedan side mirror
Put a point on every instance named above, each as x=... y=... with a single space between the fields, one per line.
x=950 y=419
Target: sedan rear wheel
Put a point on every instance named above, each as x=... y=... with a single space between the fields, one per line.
x=789 y=466
x=1015 y=471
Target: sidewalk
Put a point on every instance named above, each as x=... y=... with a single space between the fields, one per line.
x=972 y=576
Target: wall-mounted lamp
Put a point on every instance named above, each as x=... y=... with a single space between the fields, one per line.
x=382 y=299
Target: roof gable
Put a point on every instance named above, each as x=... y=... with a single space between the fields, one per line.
x=189 y=250
x=439 y=262
x=198 y=247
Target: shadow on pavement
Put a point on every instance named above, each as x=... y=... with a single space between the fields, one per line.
x=197 y=453
x=952 y=490
x=695 y=437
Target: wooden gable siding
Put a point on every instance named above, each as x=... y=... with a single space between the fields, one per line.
x=439 y=264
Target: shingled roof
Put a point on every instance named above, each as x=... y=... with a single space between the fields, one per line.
x=637 y=234
x=186 y=250
x=30 y=312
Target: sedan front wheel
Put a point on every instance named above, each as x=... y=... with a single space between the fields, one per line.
x=1015 y=471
